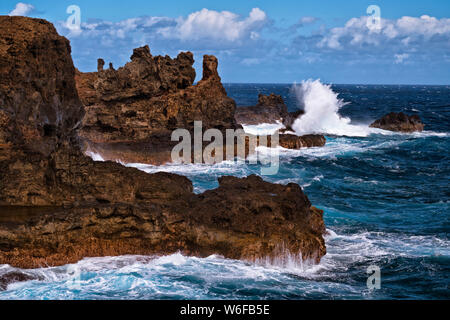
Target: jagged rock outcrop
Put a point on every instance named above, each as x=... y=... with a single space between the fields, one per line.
x=291 y=141
x=399 y=122
x=152 y=96
x=77 y=208
x=270 y=109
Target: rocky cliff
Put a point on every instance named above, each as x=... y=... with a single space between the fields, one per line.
x=131 y=112
x=58 y=206
x=152 y=96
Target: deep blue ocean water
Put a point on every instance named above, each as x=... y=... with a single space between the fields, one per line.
x=385 y=197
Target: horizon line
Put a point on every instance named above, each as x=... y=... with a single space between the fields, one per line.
x=340 y=84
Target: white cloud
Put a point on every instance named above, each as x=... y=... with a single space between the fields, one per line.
x=214 y=25
x=251 y=61
x=400 y=58
x=406 y=30
x=206 y=31
x=22 y=9
x=308 y=20
x=204 y=26
x=425 y=25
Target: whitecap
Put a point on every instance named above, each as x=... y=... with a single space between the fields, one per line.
x=263 y=128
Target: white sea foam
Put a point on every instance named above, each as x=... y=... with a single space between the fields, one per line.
x=321 y=105
x=179 y=276
x=263 y=128
x=236 y=168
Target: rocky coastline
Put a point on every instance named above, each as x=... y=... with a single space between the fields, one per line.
x=131 y=112
x=75 y=207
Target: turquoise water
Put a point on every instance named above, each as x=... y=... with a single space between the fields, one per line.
x=386 y=202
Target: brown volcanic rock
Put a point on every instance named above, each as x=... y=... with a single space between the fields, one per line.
x=243 y=219
x=44 y=110
x=399 y=122
x=270 y=109
x=262 y=216
x=289 y=120
x=152 y=96
x=144 y=76
x=158 y=150
x=131 y=112
x=40 y=161
x=100 y=209
x=290 y=141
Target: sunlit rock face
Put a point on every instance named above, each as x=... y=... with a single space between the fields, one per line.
x=152 y=96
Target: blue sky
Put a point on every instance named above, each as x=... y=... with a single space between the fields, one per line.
x=265 y=41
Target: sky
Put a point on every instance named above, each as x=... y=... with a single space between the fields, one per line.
x=282 y=41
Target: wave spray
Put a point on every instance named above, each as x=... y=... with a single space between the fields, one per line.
x=321 y=105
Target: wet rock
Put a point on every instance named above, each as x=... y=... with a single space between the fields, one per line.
x=290 y=141
x=290 y=118
x=242 y=219
x=270 y=109
x=12 y=277
x=399 y=122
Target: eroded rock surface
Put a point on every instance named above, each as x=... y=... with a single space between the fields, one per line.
x=152 y=96
x=399 y=122
x=80 y=208
x=290 y=141
x=243 y=219
x=270 y=109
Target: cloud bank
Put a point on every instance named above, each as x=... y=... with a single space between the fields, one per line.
x=255 y=42
x=22 y=9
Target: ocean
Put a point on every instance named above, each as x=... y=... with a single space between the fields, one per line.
x=385 y=197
